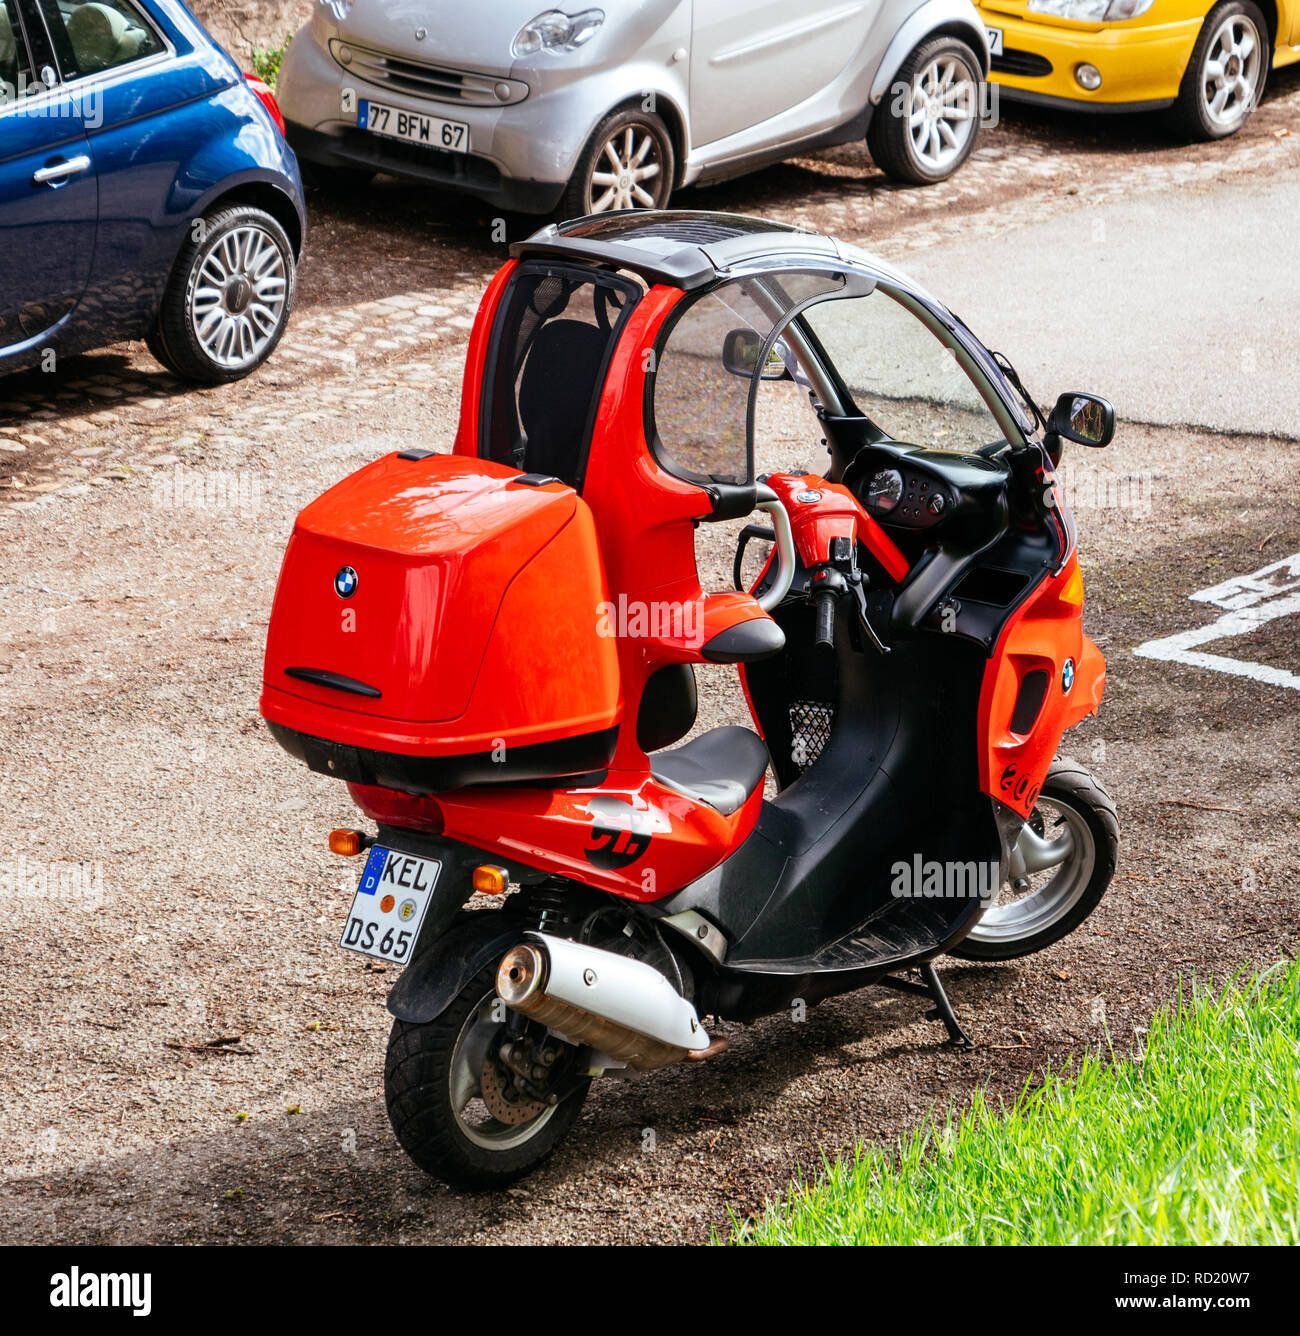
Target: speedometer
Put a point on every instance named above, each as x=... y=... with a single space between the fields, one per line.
x=885 y=490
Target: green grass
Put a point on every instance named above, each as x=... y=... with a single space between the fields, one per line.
x=266 y=63
x=1196 y=1140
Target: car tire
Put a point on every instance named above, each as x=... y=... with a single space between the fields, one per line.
x=638 y=140
x=243 y=254
x=1194 y=114
x=892 y=140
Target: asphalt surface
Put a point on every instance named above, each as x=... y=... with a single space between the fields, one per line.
x=1183 y=315
x=188 y=1057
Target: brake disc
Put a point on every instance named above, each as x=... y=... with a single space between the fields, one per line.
x=503 y=1102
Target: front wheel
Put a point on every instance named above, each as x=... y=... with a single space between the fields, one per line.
x=453 y=1098
x=228 y=299
x=1225 y=76
x=928 y=120
x=628 y=163
x=1066 y=858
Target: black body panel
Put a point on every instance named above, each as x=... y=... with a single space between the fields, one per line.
x=561 y=759
x=806 y=901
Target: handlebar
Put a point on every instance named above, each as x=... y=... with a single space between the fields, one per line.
x=826 y=619
x=782 y=576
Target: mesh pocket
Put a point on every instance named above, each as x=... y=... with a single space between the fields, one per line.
x=811 y=722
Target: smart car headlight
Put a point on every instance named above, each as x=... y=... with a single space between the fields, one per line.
x=556 y=31
x=1091 y=11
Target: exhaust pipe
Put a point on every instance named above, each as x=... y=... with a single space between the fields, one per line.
x=617 y=1005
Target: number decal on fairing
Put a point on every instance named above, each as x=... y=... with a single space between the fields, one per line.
x=1018 y=787
x=619 y=833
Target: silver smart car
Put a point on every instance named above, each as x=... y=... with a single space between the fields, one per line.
x=579 y=110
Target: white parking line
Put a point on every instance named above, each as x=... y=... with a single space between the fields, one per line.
x=1250 y=602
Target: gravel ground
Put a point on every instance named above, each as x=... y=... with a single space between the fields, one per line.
x=187 y=1055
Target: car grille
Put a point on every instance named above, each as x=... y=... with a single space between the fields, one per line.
x=431 y=81
x=1024 y=63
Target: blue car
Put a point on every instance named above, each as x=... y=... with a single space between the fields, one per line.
x=146 y=191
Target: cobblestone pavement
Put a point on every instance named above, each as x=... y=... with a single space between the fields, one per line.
x=391 y=278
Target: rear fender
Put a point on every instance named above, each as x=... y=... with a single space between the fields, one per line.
x=435 y=978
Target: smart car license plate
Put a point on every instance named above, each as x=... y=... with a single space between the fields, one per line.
x=390 y=904
x=411 y=126
x=995 y=41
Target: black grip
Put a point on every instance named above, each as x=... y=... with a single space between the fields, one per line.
x=826 y=619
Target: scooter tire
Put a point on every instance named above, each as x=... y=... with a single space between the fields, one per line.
x=418 y=1078
x=1068 y=784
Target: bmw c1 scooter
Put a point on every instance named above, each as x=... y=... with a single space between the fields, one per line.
x=494 y=650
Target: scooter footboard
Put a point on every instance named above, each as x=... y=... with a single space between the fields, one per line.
x=886 y=828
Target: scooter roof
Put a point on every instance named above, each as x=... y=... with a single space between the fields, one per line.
x=686 y=249
x=694 y=249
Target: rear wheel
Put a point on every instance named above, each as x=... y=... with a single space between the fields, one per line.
x=453 y=1100
x=628 y=163
x=928 y=121
x=1225 y=76
x=1068 y=854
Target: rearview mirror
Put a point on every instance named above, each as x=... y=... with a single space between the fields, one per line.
x=740 y=350
x=1085 y=419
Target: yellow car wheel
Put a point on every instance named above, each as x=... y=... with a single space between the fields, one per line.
x=1225 y=76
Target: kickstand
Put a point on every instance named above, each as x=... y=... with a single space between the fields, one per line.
x=931 y=987
x=942 y=1011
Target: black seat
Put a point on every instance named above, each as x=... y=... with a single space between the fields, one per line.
x=721 y=767
x=555 y=395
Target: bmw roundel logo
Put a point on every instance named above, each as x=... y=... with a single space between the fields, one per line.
x=1067 y=676
x=808 y=497
x=345 y=582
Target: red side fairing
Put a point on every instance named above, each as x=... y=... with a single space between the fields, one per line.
x=1042 y=636
x=629 y=835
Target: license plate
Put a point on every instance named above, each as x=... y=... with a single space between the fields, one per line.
x=390 y=904
x=413 y=127
x=995 y=41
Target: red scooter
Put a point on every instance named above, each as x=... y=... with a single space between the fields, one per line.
x=494 y=650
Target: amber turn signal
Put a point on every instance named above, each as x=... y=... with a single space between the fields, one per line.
x=489 y=880
x=345 y=842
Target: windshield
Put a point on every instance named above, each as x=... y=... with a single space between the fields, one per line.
x=701 y=391
x=898 y=373
x=734 y=362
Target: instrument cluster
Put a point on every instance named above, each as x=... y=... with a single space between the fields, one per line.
x=907 y=497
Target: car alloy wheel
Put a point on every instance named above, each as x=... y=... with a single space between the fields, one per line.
x=941 y=112
x=1230 y=72
x=628 y=172
x=237 y=298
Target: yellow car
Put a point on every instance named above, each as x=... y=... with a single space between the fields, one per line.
x=1207 y=64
